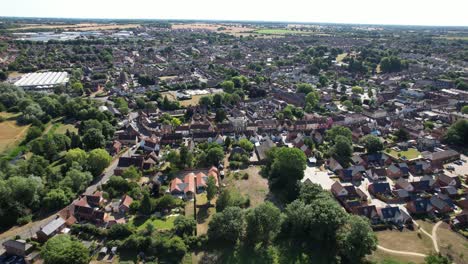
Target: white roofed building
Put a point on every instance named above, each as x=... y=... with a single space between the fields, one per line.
x=42 y=81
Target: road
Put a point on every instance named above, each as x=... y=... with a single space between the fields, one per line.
x=28 y=230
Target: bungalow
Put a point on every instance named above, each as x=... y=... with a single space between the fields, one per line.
x=380 y=189
x=368 y=211
x=420 y=206
x=202 y=179
x=393 y=214
x=394 y=172
x=334 y=165
x=442 y=204
x=353 y=173
x=183 y=188
x=404 y=184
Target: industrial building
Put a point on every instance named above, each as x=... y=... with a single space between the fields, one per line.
x=42 y=81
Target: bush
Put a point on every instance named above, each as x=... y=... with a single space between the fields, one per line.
x=245 y=176
x=24 y=220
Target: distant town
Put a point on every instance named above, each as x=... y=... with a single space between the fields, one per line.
x=232 y=142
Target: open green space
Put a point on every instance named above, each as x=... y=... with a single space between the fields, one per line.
x=409 y=154
x=164 y=223
x=281 y=32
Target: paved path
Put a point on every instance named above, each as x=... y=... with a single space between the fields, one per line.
x=404 y=253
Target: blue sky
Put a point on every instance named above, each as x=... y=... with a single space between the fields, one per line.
x=407 y=12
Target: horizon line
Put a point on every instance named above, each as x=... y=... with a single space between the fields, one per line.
x=235 y=21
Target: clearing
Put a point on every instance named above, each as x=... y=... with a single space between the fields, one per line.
x=409 y=154
x=282 y=32
x=405 y=240
x=341 y=57
x=10 y=133
x=255 y=187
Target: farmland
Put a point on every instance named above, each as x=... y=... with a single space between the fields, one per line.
x=75 y=27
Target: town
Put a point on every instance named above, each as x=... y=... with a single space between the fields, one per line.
x=232 y=142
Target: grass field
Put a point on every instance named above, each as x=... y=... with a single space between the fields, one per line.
x=281 y=32
x=410 y=154
x=341 y=57
x=255 y=187
x=405 y=240
x=453 y=244
x=10 y=133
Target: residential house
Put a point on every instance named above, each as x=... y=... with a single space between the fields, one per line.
x=17 y=247
x=183 y=188
x=368 y=211
x=444 y=180
x=50 y=229
x=420 y=206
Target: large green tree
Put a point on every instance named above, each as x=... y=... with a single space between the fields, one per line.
x=98 y=160
x=372 y=143
x=227 y=226
x=64 y=249
x=263 y=223
x=356 y=239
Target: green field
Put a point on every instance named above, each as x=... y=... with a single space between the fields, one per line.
x=164 y=223
x=410 y=154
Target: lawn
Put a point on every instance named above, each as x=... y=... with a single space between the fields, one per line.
x=410 y=154
x=341 y=57
x=453 y=244
x=164 y=223
x=405 y=240
x=10 y=133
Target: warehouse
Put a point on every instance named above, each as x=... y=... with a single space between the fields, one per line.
x=42 y=81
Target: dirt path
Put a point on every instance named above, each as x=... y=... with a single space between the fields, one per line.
x=434 y=236
x=404 y=253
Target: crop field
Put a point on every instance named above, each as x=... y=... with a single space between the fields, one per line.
x=222 y=28
x=281 y=32
x=75 y=27
x=10 y=133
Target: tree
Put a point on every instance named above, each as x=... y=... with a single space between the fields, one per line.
x=338 y=131
x=184 y=226
x=286 y=170
x=33 y=133
x=228 y=198
x=98 y=160
x=119 y=231
x=220 y=115
x=308 y=192
x=206 y=101
x=132 y=173
x=218 y=100
x=392 y=64
x=211 y=188
x=214 y=155
x=76 y=179
x=402 y=134
x=76 y=155
x=457 y=134
x=3 y=76
x=227 y=226
x=64 y=249
x=437 y=259
x=263 y=223
x=57 y=198
x=357 y=90
x=146 y=206
x=93 y=138
x=304 y=88
x=464 y=110
x=342 y=150
x=372 y=143
x=246 y=145
x=228 y=86
x=312 y=99
x=356 y=239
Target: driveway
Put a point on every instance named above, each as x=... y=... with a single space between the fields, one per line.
x=319 y=177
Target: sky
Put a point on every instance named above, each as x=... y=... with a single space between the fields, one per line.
x=396 y=12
